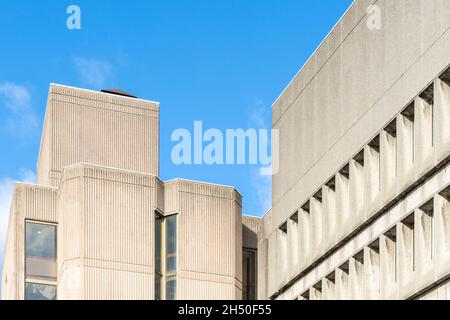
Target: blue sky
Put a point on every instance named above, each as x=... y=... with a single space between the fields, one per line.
x=223 y=62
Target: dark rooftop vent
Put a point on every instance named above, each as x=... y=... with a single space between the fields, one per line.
x=118 y=93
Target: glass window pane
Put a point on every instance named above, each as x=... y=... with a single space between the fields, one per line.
x=40 y=250
x=171 y=288
x=249 y=275
x=158 y=279
x=158 y=223
x=35 y=291
x=171 y=244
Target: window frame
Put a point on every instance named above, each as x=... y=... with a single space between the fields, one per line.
x=37 y=280
x=164 y=274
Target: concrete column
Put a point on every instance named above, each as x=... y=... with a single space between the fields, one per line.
x=356 y=192
x=282 y=258
x=356 y=277
x=388 y=257
x=272 y=264
x=442 y=117
x=423 y=246
x=328 y=288
x=405 y=254
x=342 y=282
x=423 y=135
x=372 y=271
x=329 y=209
x=317 y=227
x=292 y=244
x=372 y=173
x=262 y=269
x=405 y=144
x=342 y=204
x=388 y=157
x=305 y=237
x=442 y=233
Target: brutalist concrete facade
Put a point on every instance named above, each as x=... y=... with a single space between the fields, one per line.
x=100 y=224
x=361 y=203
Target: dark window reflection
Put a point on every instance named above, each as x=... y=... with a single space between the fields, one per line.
x=171 y=288
x=171 y=244
x=40 y=250
x=34 y=291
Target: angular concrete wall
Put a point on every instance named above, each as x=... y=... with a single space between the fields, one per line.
x=30 y=203
x=362 y=125
x=106 y=233
x=209 y=239
x=83 y=126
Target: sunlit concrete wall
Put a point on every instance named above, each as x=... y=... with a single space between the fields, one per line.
x=98 y=168
x=364 y=127
x=83 y=126
x=106 y=234
x=30 y=203
x=209 y=239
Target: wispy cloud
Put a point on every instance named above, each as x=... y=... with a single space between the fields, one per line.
x=20 y=116
x=262 y=186
x=6 y=190
x=93 y=72
x=260 y=117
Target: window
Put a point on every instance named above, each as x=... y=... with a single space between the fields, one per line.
x=171 y=287
x=171 y=244
x=249 y=274
x=40 y=251
x=158 y=260
x=158 y=279
x=35 y=291
x=165 y=256
x=40 y=261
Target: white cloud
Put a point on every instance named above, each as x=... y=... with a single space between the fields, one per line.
x=20 y=117
x=17 y=98
x=260 y=115
x=262 y=185
x=6 y=190
x=93 y=72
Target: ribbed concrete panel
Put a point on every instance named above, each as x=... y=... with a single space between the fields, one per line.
x=379 y=129
x=172 y=197
x=10 y=278
x=30 y=202
x=113 y=215
x=209 y=242
x=250 y=229
x=102 y=129
x=351 y=119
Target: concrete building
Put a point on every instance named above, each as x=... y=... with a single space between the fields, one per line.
x=361 y=203
x=100 y=224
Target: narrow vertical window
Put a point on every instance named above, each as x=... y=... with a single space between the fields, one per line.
x=40 y=261
x=165 y=257
x=249 y=274
x=171 y=244
x=158 y=260
x=40 y=251
x=171 y=287
x=170 y=224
